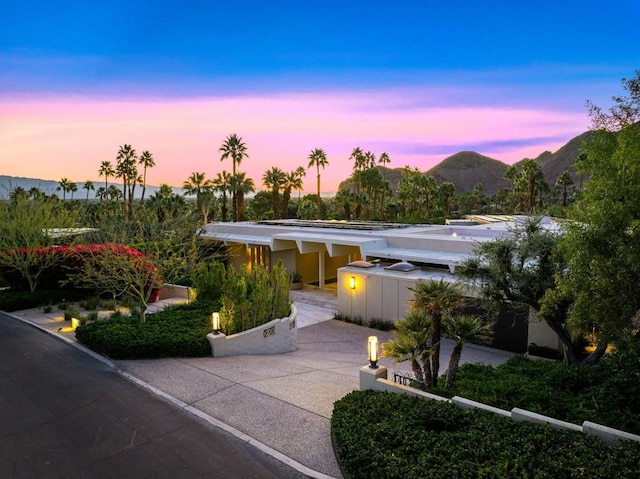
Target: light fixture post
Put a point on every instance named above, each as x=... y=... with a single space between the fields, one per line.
x=372 y=350
x=215 y=322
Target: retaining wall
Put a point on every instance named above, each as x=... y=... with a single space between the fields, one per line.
x=277 y=336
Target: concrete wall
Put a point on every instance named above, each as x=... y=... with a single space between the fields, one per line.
x=277 y=336
x=383 y=297
x=541 y=334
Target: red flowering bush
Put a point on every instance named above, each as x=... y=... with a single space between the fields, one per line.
x=58 y=265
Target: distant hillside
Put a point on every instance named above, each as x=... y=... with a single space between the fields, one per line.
x=8 y=183
x=468 y=168
x=553 y=164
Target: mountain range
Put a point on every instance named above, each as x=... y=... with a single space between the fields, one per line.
x=467 y=168
x=464 y=169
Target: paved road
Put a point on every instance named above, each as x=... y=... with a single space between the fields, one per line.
x=65 y=414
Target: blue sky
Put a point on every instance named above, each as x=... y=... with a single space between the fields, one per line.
x=407 y=55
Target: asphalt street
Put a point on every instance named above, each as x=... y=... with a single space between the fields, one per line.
x=66 y=414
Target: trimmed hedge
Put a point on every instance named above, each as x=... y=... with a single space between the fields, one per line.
x=177 y=331
x=607 y=393
x=384 y=435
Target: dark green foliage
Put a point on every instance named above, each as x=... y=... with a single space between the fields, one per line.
x=383 y=435
x=208 y=280
x=17 y=300
x=178 y=331
x=607 y=393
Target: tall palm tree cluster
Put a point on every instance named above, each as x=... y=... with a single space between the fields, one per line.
x=365 y=195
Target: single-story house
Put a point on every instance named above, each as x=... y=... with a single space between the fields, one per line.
x=356 y=260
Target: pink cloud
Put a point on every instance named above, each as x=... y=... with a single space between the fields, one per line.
x=70 y=136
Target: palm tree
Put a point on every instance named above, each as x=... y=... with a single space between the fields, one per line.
x=447 y=189
x=197 y=185
x=301 y=172
x=65 y=186
x=222 y=184
x=464 y=329
x=318 y=158
x=345 y=197
x=146 y=160
x=438 y=299
x=413 y=342
x=233 y=147
x=564 y=180
x=106 y=170
x=73 y=187
x=18 y=194
x=126 y=169
x=88 y=185
x=243 y=186
x=274 y=179
x=532 y=171
x=293 y=180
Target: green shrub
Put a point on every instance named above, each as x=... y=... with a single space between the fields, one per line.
x=208 y=280
x=607 y=393
x=395 y=436
x=17 y=300
x=91 y=304
x=253 y=298
x=177 y=331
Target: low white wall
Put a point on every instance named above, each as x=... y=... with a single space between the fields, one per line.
x=174 y=291
x=277 y=336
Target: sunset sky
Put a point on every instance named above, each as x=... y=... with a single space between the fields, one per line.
x=420 y=80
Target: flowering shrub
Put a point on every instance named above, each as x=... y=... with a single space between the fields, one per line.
x=61 y=263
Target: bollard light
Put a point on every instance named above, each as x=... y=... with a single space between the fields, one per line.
x=372 y=350
x=215 y=322
x=75 y=322
x=352 y=282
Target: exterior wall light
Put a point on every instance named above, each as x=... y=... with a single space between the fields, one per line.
x=215 y=322
x=352 y=282
x=372 y=350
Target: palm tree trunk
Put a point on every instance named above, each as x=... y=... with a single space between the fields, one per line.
x=453 y=364
x=435 y=354
x=428 y=374
x=417 y=370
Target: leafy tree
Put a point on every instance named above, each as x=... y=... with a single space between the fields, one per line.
x=520 y=270
x=24 y=233
x=318 y=158
x=602 y=247
x=233 y=147
x=120 y=271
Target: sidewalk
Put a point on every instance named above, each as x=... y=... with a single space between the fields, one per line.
x=282 y=401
